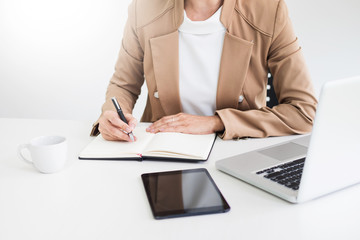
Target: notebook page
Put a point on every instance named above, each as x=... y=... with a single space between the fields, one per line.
x=101 y=148
x=179 y=145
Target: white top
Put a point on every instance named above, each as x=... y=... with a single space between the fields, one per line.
x=200 y=48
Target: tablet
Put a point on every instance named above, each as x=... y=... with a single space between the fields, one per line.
x=183 y=193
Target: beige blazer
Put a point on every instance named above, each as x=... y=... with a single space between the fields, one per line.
x=259 y=38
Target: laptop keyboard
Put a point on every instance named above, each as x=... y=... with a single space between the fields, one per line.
x=287 y=174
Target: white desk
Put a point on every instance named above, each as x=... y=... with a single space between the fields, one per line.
x=106 y=199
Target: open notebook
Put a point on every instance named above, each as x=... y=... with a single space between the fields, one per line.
x=149 y=146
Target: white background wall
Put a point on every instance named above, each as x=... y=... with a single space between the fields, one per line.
x=57 y=56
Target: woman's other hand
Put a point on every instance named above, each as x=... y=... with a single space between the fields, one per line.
x=186 y=123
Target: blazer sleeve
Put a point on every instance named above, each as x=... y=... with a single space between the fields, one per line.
x=293 y=88
x=128 y=77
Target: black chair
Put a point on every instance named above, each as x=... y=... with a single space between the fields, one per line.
x=271 y=99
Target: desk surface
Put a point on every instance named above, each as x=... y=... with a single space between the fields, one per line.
x=106 y=199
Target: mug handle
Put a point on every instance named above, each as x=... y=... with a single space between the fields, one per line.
x=20 y=148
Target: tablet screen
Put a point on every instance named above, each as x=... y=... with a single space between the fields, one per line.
x=183 y=193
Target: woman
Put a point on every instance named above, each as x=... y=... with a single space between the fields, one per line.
x=206 y=63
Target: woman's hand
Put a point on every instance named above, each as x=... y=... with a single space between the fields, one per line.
x=186 y=123
x=113 y=128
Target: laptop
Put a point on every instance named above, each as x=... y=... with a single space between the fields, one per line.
x=311 y=165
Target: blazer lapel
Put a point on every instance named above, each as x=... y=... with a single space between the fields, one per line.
x=234 y=64
x=165 y=56
x=227 y=12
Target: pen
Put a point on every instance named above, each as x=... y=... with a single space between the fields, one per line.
x=121 y=115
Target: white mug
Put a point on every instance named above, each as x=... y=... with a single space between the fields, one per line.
x=48 y=153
